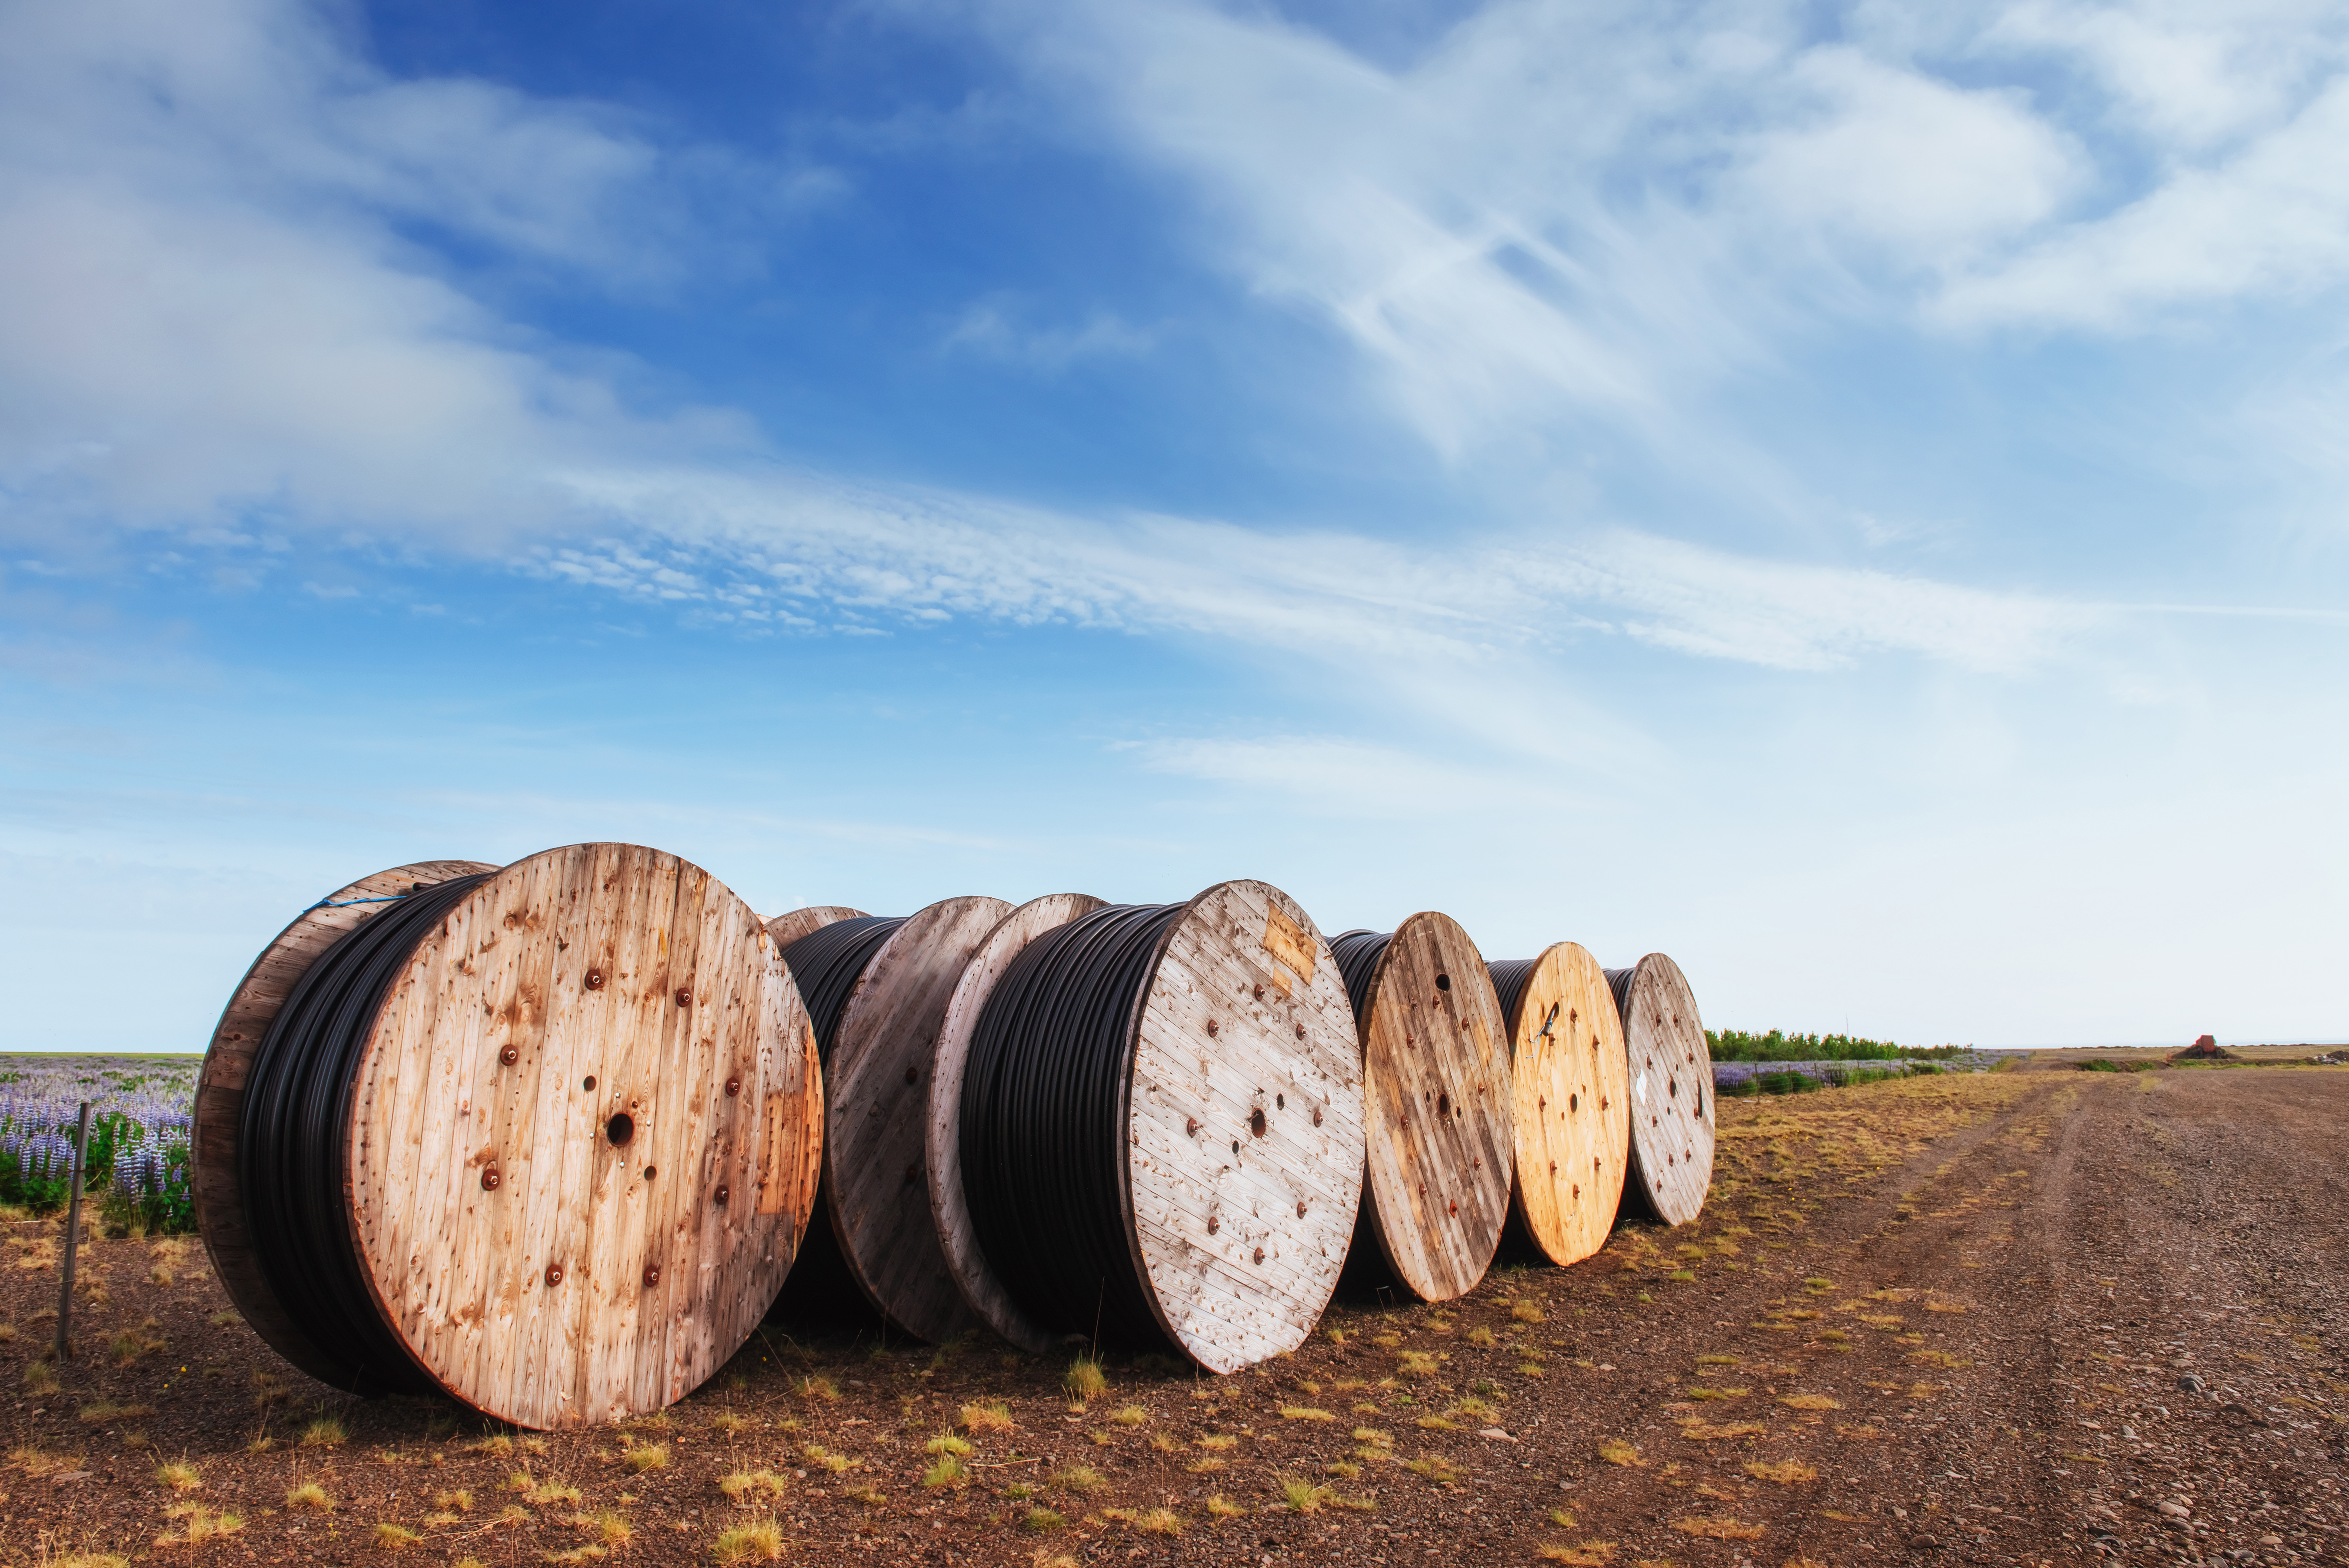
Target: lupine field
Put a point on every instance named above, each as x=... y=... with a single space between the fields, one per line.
x=139 y=1110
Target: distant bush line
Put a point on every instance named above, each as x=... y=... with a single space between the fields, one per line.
x=1738 y=1045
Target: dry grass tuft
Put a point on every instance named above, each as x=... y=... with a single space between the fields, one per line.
x=1786 y=1472
x=645 y=1457
x=1717 y=1529
x=813 y=1387
x=1129 y=1415
x=326 y=1432
x=1588 y=1554
x=760 y=1540
x=310 y=1497
x=396 y=1537
x=1810 y=1402
x=1221 y=1507
x=1084 y=1380
x=993 y=1417
x=1304 y=1412
x=1080 y=1478
x=1615 y=1451
x=179 y=1476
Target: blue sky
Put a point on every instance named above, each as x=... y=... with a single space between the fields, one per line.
x=1848 y=495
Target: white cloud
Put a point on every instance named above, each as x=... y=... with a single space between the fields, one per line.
x=995 y=329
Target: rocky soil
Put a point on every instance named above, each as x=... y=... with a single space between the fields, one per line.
x=2020 y=1317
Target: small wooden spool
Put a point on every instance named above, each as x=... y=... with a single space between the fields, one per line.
x=218 y=1108
x=1244 y=1131
x=1572 y=1108
x=981 y=1292
x=1672 y=1088
x=583 y=1137
x=878 y=1088
x=789 y=926
x=1437 y=1103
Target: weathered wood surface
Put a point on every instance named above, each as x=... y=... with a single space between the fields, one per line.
x=611 y=1031
x=1572 y=1105
x=878 y=1089
x=1437 y=1095
x=789 y=926
x=1243 y=1152
x=219 y=1106
x=1672 y=1088
x=981 y=1289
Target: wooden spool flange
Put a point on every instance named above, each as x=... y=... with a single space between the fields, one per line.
x=877 y=1090
x=612 y=1033
x=1672 y=1088
x=982 y=1292
x=219 y=1108
x=1437 y=1101
x=1244 y=1133
x=1571 y=1108
x=789 y=926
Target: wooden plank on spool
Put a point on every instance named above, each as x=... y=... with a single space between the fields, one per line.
x=1572 y=1112
x=789 y=926
x=574 y=1026
x=878 y=1094
x=1244 y=1127
x=218 y=1108
x=974 y=1279
x=1671 y=1089
x=1438 y=1093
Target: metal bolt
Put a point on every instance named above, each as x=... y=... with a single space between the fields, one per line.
x=684 y=999
x=1213 y=1224
x=1300 y=1031
x=1259 y=1255
x=1191 y=1126
x=913 y=1174
x=652 y=1273
x=489 y=1179
x=1214 y=1028
x=553 y=1274
x=508 y=1055
x=595 y=980
x=733 y=1087
x=1259 y=992
x=721 y=1195
x=1300 y=1208
x=1317 y=1116
x=913 y=1076
x=1455 y=1208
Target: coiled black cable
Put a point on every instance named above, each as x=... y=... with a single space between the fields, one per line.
x=294 y=1139
x=1510 y=977
x=1044 y=1106
x=826 y=964
x=1358 y=953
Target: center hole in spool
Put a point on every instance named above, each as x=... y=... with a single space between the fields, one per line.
x=619 y=1130
x=1443 y=1105
x=1255 y=1121
x=1444 y=983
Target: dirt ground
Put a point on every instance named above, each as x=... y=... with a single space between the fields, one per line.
x=2020 y=1317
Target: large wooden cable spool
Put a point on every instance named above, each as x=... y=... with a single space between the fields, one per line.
x=1571 y=1094
x=1673 y=1109
x=214 y=1186
x=877 y=1084
x=578 y=1141
x=1437 y=1103
x=789 y=926
x=983 y=1294
x=1162 y=1126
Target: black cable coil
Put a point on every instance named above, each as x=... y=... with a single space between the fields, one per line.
x=1044 y=1109
x=1510 y=977
x=1357 y=953
x=293 y=1137
x=827 y=963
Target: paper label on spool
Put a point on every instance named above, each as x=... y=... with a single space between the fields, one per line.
x=1284 y=940
x=1640 y=1089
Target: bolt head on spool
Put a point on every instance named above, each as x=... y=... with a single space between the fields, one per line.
x=595 y=980
x=489 y=1179
x=553 y=1274
x=733 y=1087
x=652 y=1273
x=508 y=1055
x=721 y=1195
x=685 y=996
x=1213 y=1224
x=1212 y=1027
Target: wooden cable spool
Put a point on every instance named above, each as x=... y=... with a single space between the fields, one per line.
x=214 y=1188
x=580 y=1142
x=983 y=1294
x=1235 y=1150
x=789 y=926
x=1672 y=1111
x=878 y=1088
x=1572 y=1110
x=1437 y=1103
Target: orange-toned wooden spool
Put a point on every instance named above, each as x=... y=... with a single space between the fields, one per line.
x=1572 y=1100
